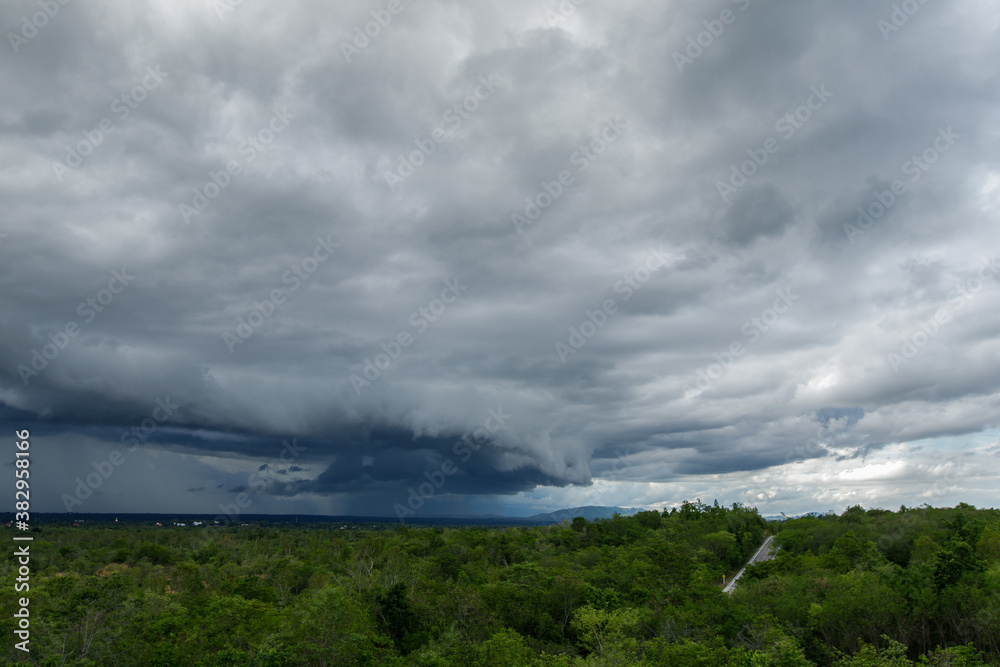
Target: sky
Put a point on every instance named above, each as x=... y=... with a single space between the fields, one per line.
x=413 y=258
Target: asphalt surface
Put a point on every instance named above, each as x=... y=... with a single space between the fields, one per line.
x=762 y=554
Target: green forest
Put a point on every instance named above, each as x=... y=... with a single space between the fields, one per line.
x=917 y=586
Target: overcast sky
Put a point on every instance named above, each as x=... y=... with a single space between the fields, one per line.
x=286 y=256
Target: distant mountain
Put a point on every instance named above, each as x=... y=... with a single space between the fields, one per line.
x=778 y=517
x=590 y=512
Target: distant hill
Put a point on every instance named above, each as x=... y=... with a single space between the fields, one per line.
x=589 y=512
x=778 y=517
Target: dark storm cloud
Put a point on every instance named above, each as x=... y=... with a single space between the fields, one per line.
x=755 y=213
x=290 y=222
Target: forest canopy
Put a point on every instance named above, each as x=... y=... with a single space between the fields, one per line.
x=917 y=586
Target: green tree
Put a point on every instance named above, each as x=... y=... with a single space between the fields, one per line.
x=988 y=546
x=952 y=561
x=894 y=655
x=331 y=628
x=399 y=618
x=505 y=648
x=603 y=632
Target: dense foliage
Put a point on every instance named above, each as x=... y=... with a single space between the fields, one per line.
x=918 y=586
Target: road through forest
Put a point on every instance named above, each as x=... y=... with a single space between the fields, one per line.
x=762 y=554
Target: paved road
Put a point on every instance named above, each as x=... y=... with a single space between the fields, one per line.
x=763 y=553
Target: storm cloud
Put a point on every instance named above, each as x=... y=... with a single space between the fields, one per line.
x=508 y=257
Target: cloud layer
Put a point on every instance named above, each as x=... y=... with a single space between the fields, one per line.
x=539 y=253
